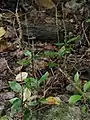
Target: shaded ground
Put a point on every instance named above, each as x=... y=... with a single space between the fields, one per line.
x=72 y=22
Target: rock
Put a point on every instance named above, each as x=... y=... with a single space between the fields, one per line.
x=63 y=98
x=74 y=5
x=63 y=112
x=42 y=32
x=70 y=88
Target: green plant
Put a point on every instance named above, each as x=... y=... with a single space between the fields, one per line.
x=28 y=96
x=61 y=52
x=27 y=60
x=88 y=20
x=64 y=48
x=5 y=117
x=34 y=83
x=82 y=92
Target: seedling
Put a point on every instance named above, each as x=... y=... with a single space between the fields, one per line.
x=82 y=92
x=28 y=94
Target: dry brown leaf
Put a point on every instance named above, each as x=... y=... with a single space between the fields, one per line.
x=46 y=3
x=2 y=31
x=5 y=46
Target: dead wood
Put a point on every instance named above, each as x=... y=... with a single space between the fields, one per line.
x=43 y=32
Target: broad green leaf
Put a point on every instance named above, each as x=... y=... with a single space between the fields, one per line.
x=73 y=39
x=16 y=107
x=42 y=100
x=27 y=82
x=86 y=86
x=28 y=53
x=4 y=118
x=33 y=103
x=13 y=100
x=88 y=20
x=26 y=115
x=23 y=62
x=50 y=54
x=59 y=44
x=68 y=50
x=84 y=109
x=34 y=83
x=43 y=78
x=29 y=115
x=73 y=99
x=31 y=83
x=61 y=52
x=50 y=64
x=2 y=31
x=26 y=94
x=76 y=78
x=17 y=102
x=16 y=87
x=21 y=76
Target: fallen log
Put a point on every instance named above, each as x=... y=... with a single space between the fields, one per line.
x=43 y=32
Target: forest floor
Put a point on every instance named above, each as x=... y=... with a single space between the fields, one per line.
x=61 y=52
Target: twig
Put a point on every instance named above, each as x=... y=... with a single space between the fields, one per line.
x=65 y=74
x=26 y=23
x=45 y=91
x=33 y=70
x=9 y=67
x=20 y=46
x=64 y=24
x=56 y=12
x=85 y=33
x=19 y=24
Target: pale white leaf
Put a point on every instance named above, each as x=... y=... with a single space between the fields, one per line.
x=76 y=78
x=26 y=94
x=21 y=76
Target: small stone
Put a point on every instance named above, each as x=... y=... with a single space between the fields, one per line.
x=70 y=88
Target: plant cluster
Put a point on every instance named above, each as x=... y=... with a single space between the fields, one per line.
x=82 y=92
